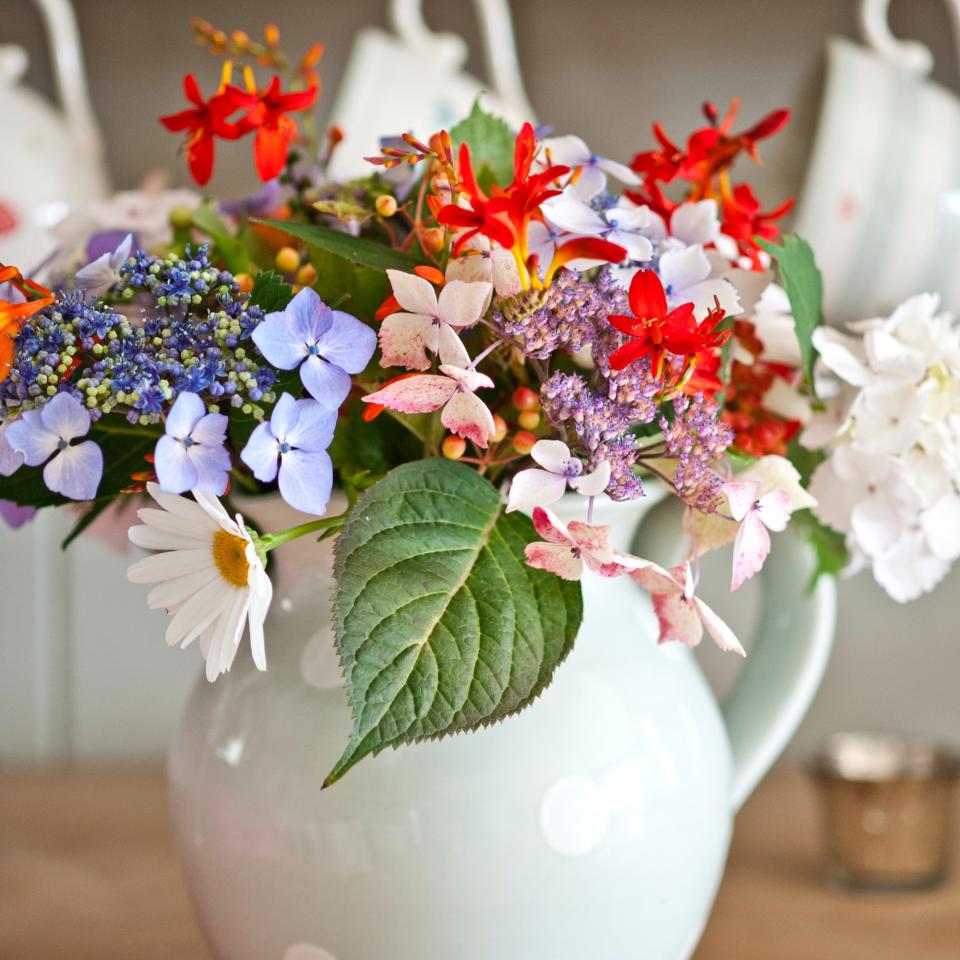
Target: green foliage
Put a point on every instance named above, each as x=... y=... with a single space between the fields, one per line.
x=440 y=624
x=343 y=210
x=270 y=291
x=124 y=447
x=232 y=249
x=491 y=143
x=829 y=545
x=359 y=250
x=804 y=286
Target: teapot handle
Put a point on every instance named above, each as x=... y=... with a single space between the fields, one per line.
x=910 y=55
x=71 y=81
x=785 y=664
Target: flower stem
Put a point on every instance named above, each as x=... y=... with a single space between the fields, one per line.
x=270 y=541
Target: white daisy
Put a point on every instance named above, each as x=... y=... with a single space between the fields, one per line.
x=208 y=576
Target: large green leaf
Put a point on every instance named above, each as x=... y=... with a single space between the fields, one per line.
x=491 y=143
x=440 y=624
x=360 y=250
x=804 y=286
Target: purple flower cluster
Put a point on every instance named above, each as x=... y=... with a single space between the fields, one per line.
x=696 y=439
x=192 y=337
x=567 y=316
x=601 y=425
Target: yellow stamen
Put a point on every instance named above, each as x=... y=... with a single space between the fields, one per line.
x=226 y=75
x=230 y=556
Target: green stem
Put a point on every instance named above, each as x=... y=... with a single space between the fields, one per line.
x=270 y=541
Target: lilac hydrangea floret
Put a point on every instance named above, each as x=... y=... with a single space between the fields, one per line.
x=293 y=445
x=46 y=436
x=327 y=345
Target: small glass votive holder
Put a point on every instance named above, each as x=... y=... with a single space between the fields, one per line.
x=887 y=809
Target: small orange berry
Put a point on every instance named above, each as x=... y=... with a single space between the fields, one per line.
x=432 y=240
x=525 y=399
x=244 y=282
x=529 y=419
x=499 y=428
x=523 y=441
x=306 y=274
x=287 y=259
x=386 y=205
x=454 y=447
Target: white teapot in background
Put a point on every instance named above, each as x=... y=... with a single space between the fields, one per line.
x=416 y=77
x=53 y=161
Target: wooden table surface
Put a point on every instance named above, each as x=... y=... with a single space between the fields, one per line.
x=87 y=872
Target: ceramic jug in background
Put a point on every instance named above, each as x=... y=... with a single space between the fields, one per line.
x=881 y=201
x=57 y=165
x=595 y=824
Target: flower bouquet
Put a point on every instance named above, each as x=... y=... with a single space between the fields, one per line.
x=485 y=344
x=489 y=321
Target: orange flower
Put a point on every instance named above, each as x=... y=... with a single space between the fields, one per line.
x=15 y=313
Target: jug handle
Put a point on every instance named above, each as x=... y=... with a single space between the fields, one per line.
x=785 y=664
x=68 y=69
x=787 y=656
x=910 y=55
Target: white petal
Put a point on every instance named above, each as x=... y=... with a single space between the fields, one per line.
x=741 y=495
x=571 y=214
x=842 y=354
x=721 y=634
x=451 y=348
x=151 y=538
x=552 y=455
x=535 y=488
x=171 y=594
x=405 y=339
x=462 y=304
x=593 y=484
x=695 y=222
x=418 y=394
x=199 y=612
x=468 y=416
x=413 y=293
x=168 y=566
x=680 y=269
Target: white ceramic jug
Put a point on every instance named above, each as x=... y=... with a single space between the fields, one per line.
x=594 y=825
x=53 y=163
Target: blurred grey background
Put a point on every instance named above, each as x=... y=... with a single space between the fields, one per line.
x=85 y=672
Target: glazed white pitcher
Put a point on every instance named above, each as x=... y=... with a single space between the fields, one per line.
x=594 y=825
x=881 y=200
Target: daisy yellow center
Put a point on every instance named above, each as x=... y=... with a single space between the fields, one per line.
x=230 y=556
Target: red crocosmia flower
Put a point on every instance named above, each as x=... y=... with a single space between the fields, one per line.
x=203 y=122
x=662 y=164
x=584 y=248
x=267 y=113
x=505 y=216
x=655 y=331
x=704 y=374
x=709 y=151
x=484 y=216
x=743 y=220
